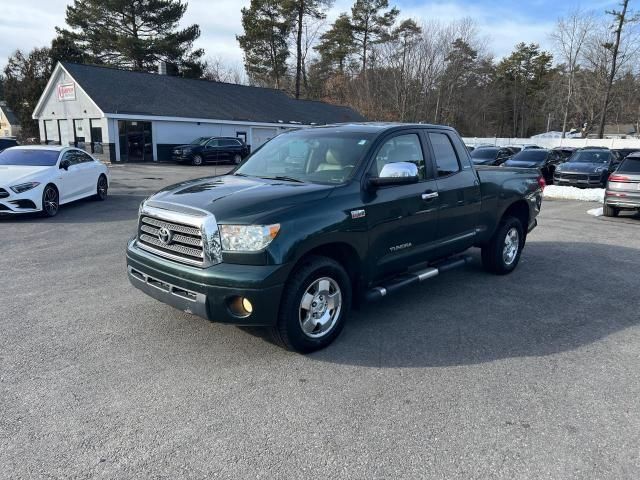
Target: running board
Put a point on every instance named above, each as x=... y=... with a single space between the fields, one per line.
x=406 y=279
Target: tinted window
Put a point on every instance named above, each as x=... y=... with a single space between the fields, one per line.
x=446 y=158
x=34 y=158
x=484 y=153
x=461 y=149
x=229 y=143
x=7 y=143
x=213 y=143
x=630 y=165
x=83 y=157
x=530 y=155
x=403 y=148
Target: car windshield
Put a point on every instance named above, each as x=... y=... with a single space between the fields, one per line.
x=590 y=156
x=630 y=165
x=484 y=153
x=30 y=158
x=200 y=141
x=531 y=155
x=309 y=155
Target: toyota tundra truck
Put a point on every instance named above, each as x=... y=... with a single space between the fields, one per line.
x=323 y=218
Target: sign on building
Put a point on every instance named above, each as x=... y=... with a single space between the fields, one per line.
x=66 y=92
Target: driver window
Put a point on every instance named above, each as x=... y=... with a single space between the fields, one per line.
x=403 y=148
x=212 y=143
x=69 y=157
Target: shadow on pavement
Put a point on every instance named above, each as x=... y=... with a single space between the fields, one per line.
x=563 y=296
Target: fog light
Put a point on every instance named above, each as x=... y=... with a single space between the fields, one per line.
x=246 y=304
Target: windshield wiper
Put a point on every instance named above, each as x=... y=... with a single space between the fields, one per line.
x=284 y=177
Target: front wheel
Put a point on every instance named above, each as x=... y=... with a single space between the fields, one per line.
x=102 y=188
x=50 y=201
x=314 y=307
x=237 y=159
x=197 y=160
x=502 y=254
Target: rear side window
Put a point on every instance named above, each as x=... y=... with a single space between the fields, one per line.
x=446 y=158
x=229 y=143
x=630 y=165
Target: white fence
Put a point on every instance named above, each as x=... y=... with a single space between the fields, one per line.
x=558 y=142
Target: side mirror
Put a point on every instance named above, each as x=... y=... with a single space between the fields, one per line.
x=398 y=173
x=65 y=164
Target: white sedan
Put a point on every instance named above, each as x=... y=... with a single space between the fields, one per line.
x=41 y=178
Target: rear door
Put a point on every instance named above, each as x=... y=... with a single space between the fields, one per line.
x=458 y=190
x=401 y=219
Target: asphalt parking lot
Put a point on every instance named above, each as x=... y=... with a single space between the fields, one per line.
x=532 y=375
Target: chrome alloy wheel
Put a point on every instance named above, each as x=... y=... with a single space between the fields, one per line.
x=320 y=307
x=50 y=201
x=511 y=246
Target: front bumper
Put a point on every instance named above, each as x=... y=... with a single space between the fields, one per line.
x=584 y=180
x=181 y=157
x=25 y=202
x=208 y=292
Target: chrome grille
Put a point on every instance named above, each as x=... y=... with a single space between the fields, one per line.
x=184 y=245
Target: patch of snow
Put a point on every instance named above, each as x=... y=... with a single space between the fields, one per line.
x=596 y=212
x=574 y=193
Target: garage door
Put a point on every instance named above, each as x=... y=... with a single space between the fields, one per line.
x=262 y=135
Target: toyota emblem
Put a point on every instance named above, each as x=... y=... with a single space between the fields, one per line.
x=165 y=235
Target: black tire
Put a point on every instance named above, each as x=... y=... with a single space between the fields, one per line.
x=609 y=211
x=237 y=159
x=197 y=160
x=50 y=201
x=495 y=258
x=102 y=189
x=288 y=331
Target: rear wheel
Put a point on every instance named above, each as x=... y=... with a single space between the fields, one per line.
x=50 y=201
x=102 y=188
x=502 y=254
x=609 y=211
x=197 y=160
x=314 y=307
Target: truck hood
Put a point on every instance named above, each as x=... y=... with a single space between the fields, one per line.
x=581 y=167
x=15 y=174
x=243 y=199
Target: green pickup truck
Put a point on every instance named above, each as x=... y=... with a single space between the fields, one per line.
x=319 y=219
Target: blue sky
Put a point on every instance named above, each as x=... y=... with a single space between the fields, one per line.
x=26 y=24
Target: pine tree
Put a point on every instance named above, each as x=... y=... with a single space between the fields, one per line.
x=135 y=34
x=266 y=29
x=337 y=43
x=370 y=23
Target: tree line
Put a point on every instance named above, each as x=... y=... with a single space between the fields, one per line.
x=387 y=67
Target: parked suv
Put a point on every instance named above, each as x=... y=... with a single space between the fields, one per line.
x=211 y=149
x=587 y=167
x=321 y=217
x=544 y=160
x=623 y=187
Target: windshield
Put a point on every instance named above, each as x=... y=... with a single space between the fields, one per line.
x=630 y=165
x=310 y=155
x=200 y=141
x=30 y=158
x=590 y=156
x=531 y=155
x=484 y=153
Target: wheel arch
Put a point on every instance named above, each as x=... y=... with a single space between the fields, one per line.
x=519 y=210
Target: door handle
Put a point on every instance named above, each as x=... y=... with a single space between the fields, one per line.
x=429 y=196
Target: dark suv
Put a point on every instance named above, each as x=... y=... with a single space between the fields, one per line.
x=211 y=149
x=6 y=143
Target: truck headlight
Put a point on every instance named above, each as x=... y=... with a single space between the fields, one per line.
x=23 y=187
x=247 y=238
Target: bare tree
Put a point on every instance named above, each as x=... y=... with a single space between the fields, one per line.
x=569 y=37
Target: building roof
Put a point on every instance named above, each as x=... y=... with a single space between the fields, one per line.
x=137 y=93
x=8 y=113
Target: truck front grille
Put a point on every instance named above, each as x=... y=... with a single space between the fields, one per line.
x=179 y=242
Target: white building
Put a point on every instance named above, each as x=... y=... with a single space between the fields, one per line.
x=9 y=125
x=134 y=116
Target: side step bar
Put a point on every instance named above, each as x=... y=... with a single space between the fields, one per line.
x=406 y=279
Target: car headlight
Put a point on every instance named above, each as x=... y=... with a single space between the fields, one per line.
x=23 y=187
x=247 y=238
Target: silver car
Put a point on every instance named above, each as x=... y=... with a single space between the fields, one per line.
x=623 y=187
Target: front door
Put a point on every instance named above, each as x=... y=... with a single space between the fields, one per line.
x=459 y=193
x=401 y=219
x=72 y=180
x=210 y=151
